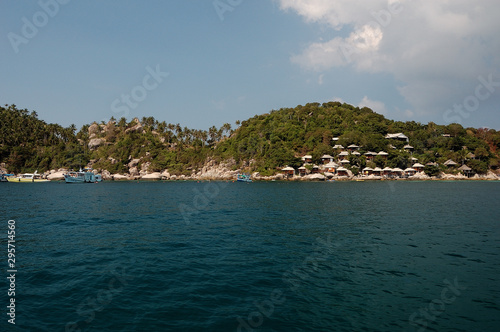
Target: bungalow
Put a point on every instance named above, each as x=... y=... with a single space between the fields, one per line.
x=367 y=171
x=397 y=171
x=418 y=167
x=315 y=169
x=338 y=146
x=344 y=161
x=383 y=154
x=410 y=171
x=370 y=155
x=341 y=171
x=398 y=136
x=450 y=163
x=387 y=171
x=377 y=171
x=288 y=171
x=356 y=153
x=331 y=167
x=353 y=147
x=466 y=170
x=307 y=158
x=343 y=155
x=302 y=171
x=326 y=158
x=408 y=147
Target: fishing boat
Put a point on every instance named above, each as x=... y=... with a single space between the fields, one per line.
x=82 y=176
x=243 y=178
x=28 y=177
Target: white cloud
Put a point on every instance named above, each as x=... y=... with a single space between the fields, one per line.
x=428 y=46
x=375 y=105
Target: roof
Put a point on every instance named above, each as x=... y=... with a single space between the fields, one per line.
x=418 y=165
x=307 y=156
x=383 y=153
x=326 y=156
x=356 y=153
x=387 y=169
x=465 y=168
x=367 y=169
x=397 y=170
x=342 y=169
x=338 y=146
x=352 y=146
x=370 y=153
x=410 y=170
x=345 y=161
x=377 y=169
x=449 y=162
x=302 y=167
x=344 y=153
x=397 y=135
x=331 y=165
x=430 y=163
x=408 y=146
x=288 y=168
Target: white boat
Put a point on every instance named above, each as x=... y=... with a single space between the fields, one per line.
x=85 y=176
x=28 y=177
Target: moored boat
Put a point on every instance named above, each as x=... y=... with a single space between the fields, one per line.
x=243 y=178
x=82 y=176
x=28 y=177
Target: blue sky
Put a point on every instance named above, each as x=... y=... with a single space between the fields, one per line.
x=227 y=60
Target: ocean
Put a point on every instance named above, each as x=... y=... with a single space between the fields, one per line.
x=262 y=256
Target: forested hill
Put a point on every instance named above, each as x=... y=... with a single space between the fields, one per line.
x=263 y=143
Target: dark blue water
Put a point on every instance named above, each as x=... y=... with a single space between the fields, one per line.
x=187 y=256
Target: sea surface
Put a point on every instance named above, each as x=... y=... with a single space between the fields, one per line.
x=275 y=256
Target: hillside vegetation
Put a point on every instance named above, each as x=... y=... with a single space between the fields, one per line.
x=264 y=143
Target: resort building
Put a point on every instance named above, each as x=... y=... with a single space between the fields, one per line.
x=341 y=171
x=466 y=170
x=307 y=159
x=410 y=171
x=343 y=155
x=288 y=171
x=383 y=154
x=331 y=167
x=353 y=147
x=302 y=171
x=367 y=171
x=326 y=158
x=398 y=136
x=418 y=167
x=450 y=163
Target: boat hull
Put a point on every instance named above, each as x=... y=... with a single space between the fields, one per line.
x=19 y=180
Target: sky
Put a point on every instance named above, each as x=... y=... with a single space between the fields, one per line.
x=208 y=62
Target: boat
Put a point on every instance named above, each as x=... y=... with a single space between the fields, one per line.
x=28 y=177
x=82 y=176
x=3 y=177
x=243 y=178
